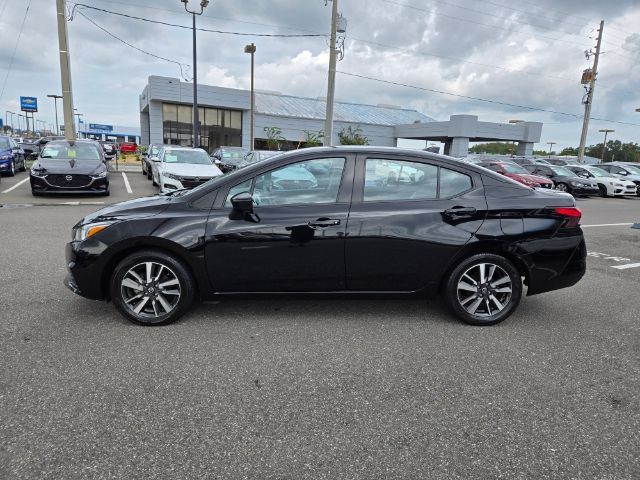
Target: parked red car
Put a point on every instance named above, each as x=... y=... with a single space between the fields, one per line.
x=129 y=147
x=517 y=173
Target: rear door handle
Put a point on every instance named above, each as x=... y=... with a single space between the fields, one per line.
x=324 y=223
x=460 y=212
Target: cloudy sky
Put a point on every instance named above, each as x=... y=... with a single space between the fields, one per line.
x=524 y=52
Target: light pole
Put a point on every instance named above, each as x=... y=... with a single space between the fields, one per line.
x=252 y=50
x=606 y=132
x=78 y=115
x=55 y=103
x=5 y=119
x=551 y=144
x=196 y=114
x=338 y=28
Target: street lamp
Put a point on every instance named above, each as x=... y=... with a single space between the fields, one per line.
x=5 y=119
x=55 y=102
x=78 y=115
x=551 y=144
x=252 y=50
x=606 y=132
x=196 y=114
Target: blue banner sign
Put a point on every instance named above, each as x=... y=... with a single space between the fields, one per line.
x=101 y=128
x=29 y=104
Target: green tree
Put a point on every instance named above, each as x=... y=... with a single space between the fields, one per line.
x=569 y=151
x=311 y=139
x=352 y=136
x=274 y=137
x=494 y=148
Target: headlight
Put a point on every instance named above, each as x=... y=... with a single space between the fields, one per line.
x=171 y=175
x=89 y=230
x=38 y=173
x=100 y=175
x=575 y=184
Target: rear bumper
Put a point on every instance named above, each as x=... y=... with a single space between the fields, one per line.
x=560 y=264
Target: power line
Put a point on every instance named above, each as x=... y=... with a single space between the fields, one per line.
x=180 y=65
x=497 y=102
x=76 y=5
x=13 y=55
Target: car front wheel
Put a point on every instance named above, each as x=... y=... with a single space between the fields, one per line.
x=563 y=187
x=12 y=169
x=152 y=288
x=483 y=289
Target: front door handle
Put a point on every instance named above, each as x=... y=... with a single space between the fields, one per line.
x=459 y=212
x=324 y=223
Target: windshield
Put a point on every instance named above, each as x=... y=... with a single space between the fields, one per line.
x=4 y=142
x=198 y=157
x=562 y=171
x=511 y=168
x=596 y=172
x=67 y=152
x=631 y=169
x=233 y=154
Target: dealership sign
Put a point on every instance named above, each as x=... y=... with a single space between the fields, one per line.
x=100 y=128
x=29 y=104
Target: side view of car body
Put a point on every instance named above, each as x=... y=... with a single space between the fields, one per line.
x=229 y=158
x=110 y=149
x=151 y=154
x=128 y=147
x=565 y=180
x=609 y=185
x=178 y=168
x=372 y=221
x=12 y=157
x=517 y=173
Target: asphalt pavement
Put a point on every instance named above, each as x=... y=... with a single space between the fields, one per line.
x=297 y=389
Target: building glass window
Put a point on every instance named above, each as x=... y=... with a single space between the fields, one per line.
x=218 y=127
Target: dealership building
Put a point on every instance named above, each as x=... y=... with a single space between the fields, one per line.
x=166 y=117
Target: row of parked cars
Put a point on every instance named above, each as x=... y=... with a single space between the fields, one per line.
x=606 y=179
x=173 y=167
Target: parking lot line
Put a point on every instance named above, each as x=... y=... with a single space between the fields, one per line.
x=126 y=183
x=16 y=185
x=628 y=265
x=608 y=225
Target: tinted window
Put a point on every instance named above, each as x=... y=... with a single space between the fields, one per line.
x=399 y=180
x=312 y=181
x=453 y=183
x=66 y=152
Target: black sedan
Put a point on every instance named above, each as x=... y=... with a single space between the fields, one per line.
x=372 y=220
x=76 y=167
x=565 y=180
x=228 y=159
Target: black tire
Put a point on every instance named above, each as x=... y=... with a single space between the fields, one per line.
x=153 y=181
x=24 y=165
x=484 y=315
x=36 y=194
x=603 y=190
x=107 y=193
x=563 y=187
x=12 y=169
x=144 y=171
x=174 y=269
x=148 y=174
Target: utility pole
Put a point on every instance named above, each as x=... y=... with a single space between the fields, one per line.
x=551 y=144
x=331 y=85
x=55 y=103
x=65 y=72
x=252 y=50
x=592 y=85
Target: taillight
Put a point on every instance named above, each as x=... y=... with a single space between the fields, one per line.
x=572 y=215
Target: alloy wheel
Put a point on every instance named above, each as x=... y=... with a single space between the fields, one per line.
x=562 y=187
x=150 y=290
x=484 y=290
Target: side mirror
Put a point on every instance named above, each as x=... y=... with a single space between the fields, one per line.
x=242 y=204
x=154 y=159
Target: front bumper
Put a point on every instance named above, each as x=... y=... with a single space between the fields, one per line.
x=95 y=186
x=584 y=190
x=84 y=269
x=5 y=165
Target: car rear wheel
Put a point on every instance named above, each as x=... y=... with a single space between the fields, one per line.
x=152 y=288
x=483 y=289
x=24 y=165
x=563 y=187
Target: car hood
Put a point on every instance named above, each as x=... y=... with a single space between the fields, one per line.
x=191 y=170
x=77 y=167
x=137 y=208
x=530 y=177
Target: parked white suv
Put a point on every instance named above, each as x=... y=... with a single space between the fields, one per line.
x=609 y=185
x=177 y=168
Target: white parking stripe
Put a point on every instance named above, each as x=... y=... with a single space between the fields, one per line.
x=628 y=265
x=608 y=225
x=16 y=185
x=126 y=183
